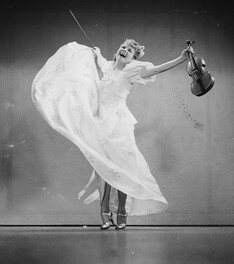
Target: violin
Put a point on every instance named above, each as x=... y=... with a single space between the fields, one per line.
x=202 y=81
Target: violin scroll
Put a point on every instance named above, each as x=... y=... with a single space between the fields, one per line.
x=190 y=43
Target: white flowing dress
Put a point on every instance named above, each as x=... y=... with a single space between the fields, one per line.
x=93 y=115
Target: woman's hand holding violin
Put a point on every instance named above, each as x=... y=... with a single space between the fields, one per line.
x=185 y=52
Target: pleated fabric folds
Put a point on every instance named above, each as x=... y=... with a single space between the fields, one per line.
x=92 y=113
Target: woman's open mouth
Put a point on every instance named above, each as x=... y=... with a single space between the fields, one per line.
x=123 y=53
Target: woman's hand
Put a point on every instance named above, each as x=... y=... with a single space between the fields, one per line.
x=96 y=51
x=100 y=59
x=185 y=53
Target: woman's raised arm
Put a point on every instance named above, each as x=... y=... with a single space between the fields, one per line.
x=100 y=59
x=147 y=72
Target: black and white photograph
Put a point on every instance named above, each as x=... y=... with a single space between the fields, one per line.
x=116 y=132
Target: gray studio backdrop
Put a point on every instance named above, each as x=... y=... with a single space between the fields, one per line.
x=187 y=140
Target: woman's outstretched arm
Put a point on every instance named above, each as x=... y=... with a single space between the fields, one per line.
x=147 y=72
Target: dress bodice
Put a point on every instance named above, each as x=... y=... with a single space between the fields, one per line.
x=116 y=84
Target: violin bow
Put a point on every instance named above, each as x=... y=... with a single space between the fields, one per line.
x=81 y=29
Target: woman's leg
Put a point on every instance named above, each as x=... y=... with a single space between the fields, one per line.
x=121 y=213
x=122 y=201
x=106 y=198
x=106 y=214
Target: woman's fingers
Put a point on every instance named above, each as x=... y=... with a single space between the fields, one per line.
x=190 y=49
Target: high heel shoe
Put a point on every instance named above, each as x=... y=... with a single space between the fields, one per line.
x=108 y=217
x=121 y=221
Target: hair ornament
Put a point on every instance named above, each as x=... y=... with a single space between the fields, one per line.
x=140 y=51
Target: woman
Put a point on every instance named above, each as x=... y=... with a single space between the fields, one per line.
x=93 y=114
x=119 y=75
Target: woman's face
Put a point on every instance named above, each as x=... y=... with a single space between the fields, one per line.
x=125 y=54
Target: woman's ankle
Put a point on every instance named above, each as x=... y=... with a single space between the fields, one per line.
x=121 y=211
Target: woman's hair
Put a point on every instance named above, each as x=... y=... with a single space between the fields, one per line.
x=138 y=50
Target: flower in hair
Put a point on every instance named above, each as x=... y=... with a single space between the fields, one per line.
x=141 y=51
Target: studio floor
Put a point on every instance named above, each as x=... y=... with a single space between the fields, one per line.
x=135 y=245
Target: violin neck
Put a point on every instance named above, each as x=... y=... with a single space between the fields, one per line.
x=192 y=60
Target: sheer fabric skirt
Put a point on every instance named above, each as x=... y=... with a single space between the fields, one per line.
x=65 y=92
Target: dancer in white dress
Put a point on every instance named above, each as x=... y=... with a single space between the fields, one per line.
x=93 y=114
